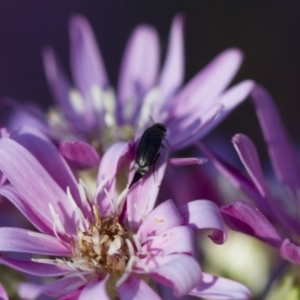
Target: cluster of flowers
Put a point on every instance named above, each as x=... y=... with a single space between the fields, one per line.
x=100 y=239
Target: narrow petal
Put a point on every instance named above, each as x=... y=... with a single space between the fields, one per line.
x=142 y=195
x=135 y=288
x=139 y=67
x=172 y=73
x=187 y=161
x=49 y=157
x=290 y=251
x=25 y=241
x=29 y=291
x=115 y=161
x=34 y=268
x=218 y=288
x=162 y=218
x=95 y=290
x=79 y=154
x=204 y=214
x=25 y=207
x=3 y=294
x=249 y=157
x=173 y=241
x=179 y=271
x=230 y=100
x=60 y=86
x=86 y=61
x=210 y=82
x=244 y=217
x=281 y=150
x=35 y=185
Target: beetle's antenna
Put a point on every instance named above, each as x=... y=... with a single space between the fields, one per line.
x=151 y=119
x=169 y=121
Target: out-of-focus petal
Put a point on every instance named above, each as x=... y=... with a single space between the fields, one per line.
x=60 y=86
x=218 y=288
x=210 y=82
x=135 y=288
x=3 y=294
x=29 y=291
x=95 y=290
x=172 y=73
x=280 y=147
x=187 y=161
x=86 y=61
x=205 y=214
x=79 y=154
x=142 y=195
x=175 y=240
x=25 y=241
x=230 y=100
x=162 y=218
x=244 y=217
x=139 y=68
x=34 y=268
x=32 y=181
x=290 y=251
x=179 y=271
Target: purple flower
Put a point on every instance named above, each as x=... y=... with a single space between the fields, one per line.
x=109 y=244
x=90 y=111
x=278 y=206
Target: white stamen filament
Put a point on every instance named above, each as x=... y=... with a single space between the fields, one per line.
x=109 y=103
x=56 y=222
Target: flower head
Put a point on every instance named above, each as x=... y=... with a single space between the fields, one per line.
x=90 y=110
x=279 y=206
x=110 y=244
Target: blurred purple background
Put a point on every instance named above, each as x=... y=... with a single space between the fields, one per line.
x=267 y=31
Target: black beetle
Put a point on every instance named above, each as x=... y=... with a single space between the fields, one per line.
x=148 y=150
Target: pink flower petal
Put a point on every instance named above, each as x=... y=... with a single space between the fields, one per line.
x=173 y=241
x=179 y=271
x=244 y=217
x=115 y=161
x=139 y=67
x=281 y=150
x=187 y=161
x=162 y=218
x=32 y=181
x=60 y=86
x=290 y=251
x=86 y=61
x=79 y=154
x=29 y=291
x=218 y=288
x=23 y=240
x=35 y=217
x=249 y=157
x=135 y=288
x=230 y=100
x=95 y=290
x=34 y=268
x=142 y=195
x=210 y=82
x=203 y=214
x=172 y=73
x=42 y=149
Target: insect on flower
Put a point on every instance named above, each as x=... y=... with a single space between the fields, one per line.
x=148 y=150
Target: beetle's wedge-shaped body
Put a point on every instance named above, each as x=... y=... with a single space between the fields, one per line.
x=148 y=150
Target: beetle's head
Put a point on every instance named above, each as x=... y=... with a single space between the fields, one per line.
x=160 y=126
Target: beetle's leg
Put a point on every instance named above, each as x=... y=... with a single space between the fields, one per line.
x=153 y=165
